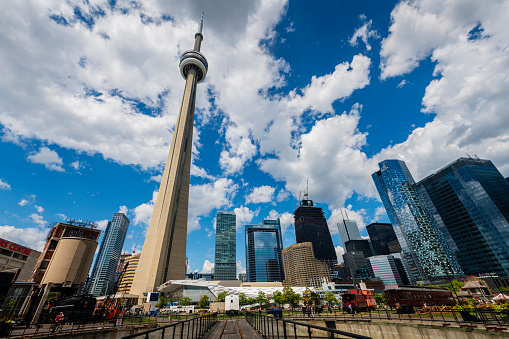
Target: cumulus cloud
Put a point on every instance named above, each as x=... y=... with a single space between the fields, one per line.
x=61 y=216
x=244 y=216
x=207 y=267
x=339 y=253
x=262 y=194
x=143 y=212
x=364 y=33
x=23 y=202
x=402 y=83
x=39 y=208
x=34 y=238
x=102 y=224
x=282 y=195
x=240 y=268
x=123 y=209
x=4 y=185
x=338 y=215
x=47 y=157
x=38 y=219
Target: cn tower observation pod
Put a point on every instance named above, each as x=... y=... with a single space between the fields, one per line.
x=193 y=58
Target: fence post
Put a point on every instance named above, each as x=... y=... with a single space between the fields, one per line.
x=284 y=330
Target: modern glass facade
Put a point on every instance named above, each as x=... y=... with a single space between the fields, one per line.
x=311 y=226
x=423 y=244
x=470 y=200
x=264 y=245
x=102 y=278
x=225 y=265
x=389 y=268
x=348 y=230
x=383 y=238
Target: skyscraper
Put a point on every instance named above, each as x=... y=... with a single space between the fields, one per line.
x=383 y=238
x=470 y=201
x=263 y=252
x=103 y=273
x=361 y=246
x=163 y=256
x=311 y=226
x=225 y=265
x=421 y=240
x=348 y=230
x=389 y=268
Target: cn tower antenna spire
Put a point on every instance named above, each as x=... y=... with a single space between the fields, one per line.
x=200 y=28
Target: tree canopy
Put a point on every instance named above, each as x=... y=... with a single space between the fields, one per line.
x=163 y=302
x=204 y=301
x=186 y=301
x=221 y=296
x=262 y=298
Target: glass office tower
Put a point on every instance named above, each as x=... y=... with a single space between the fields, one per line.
x=263 y=252
x=225 y=265
x=102 y=278
x=470 y=199
x=383 y=238
x=424 y=246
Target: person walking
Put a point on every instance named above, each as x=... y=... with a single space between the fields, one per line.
x=59 y=320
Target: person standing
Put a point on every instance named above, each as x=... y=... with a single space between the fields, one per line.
x=59 y=320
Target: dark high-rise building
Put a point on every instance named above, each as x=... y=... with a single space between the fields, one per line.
x=424 y=246
x=359 y=246
x=383 y=238
x=470 y=200
x=225 y=265
x=264 y=245
x=311 y=226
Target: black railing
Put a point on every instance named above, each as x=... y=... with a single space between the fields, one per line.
x=272 y=327
x=189 y=329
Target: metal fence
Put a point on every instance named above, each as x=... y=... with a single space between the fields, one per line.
x=187 y=329
x=45 y=329
x=272 y=327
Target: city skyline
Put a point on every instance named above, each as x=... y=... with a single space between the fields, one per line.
x=90 y=95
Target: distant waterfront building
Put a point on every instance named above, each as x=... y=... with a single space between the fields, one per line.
x=225 y=265
x=423 y=244
x=389 y=268
x=311 y=226
x=102 y=278
x=263 y=252
x=383 y=238
x=302 y=268
x=470 y=201
x=348 y=230
x=14 y=256
x=358 y=246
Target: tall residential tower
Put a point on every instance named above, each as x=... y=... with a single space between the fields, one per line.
x=225 y=265
x=163 y=256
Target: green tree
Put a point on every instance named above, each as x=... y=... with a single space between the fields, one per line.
x=454 y=286
x=221 y=296
x=250 y=301
x=262 y=298
x=330 y=298
x=243 y=300
x=204 y=301
x=380 y=299
x=163 y=302
x=278 y=298
x=186 y=301
x=289 y=296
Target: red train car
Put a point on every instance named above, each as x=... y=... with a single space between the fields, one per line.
x=360 y=300
x=405 y=298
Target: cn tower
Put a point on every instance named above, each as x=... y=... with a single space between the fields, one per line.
x=163 y=256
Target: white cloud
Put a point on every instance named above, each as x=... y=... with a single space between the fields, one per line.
x=76 y=165
x=156 y=178
x=364 y=33
x=207 y=267
x=262 y=194
x=282 y=195
x=285 y=219
x=123 y=209
x=402 y=83
x=244 y=216
x=339 y=253
x=47 y=157
x=38 y=219
x=34 y=238
x=61 y=216
x=143 y=212
x=102 y=224
x=240 y=268
x=23 y=202
x=379 y=213
x=39 y=208
x=4 y=185
x=349 y=214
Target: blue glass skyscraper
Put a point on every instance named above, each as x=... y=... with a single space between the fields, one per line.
x=225 y=265
x=264 y=247
x=103 y=273
x=470 y=200
x=424 y=246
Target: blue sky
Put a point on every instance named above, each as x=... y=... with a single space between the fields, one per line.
x=90 y=91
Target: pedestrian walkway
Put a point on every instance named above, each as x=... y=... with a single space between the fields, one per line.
x=233 y=329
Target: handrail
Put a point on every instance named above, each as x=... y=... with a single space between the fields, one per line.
x=209 y=317
x=325 y=329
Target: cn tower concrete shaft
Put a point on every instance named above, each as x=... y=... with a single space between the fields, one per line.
x=163 y=256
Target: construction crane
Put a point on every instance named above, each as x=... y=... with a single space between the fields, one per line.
x=110 y=305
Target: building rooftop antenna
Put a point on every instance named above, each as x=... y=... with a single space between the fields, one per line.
x=346 y=215
x=200 y=28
